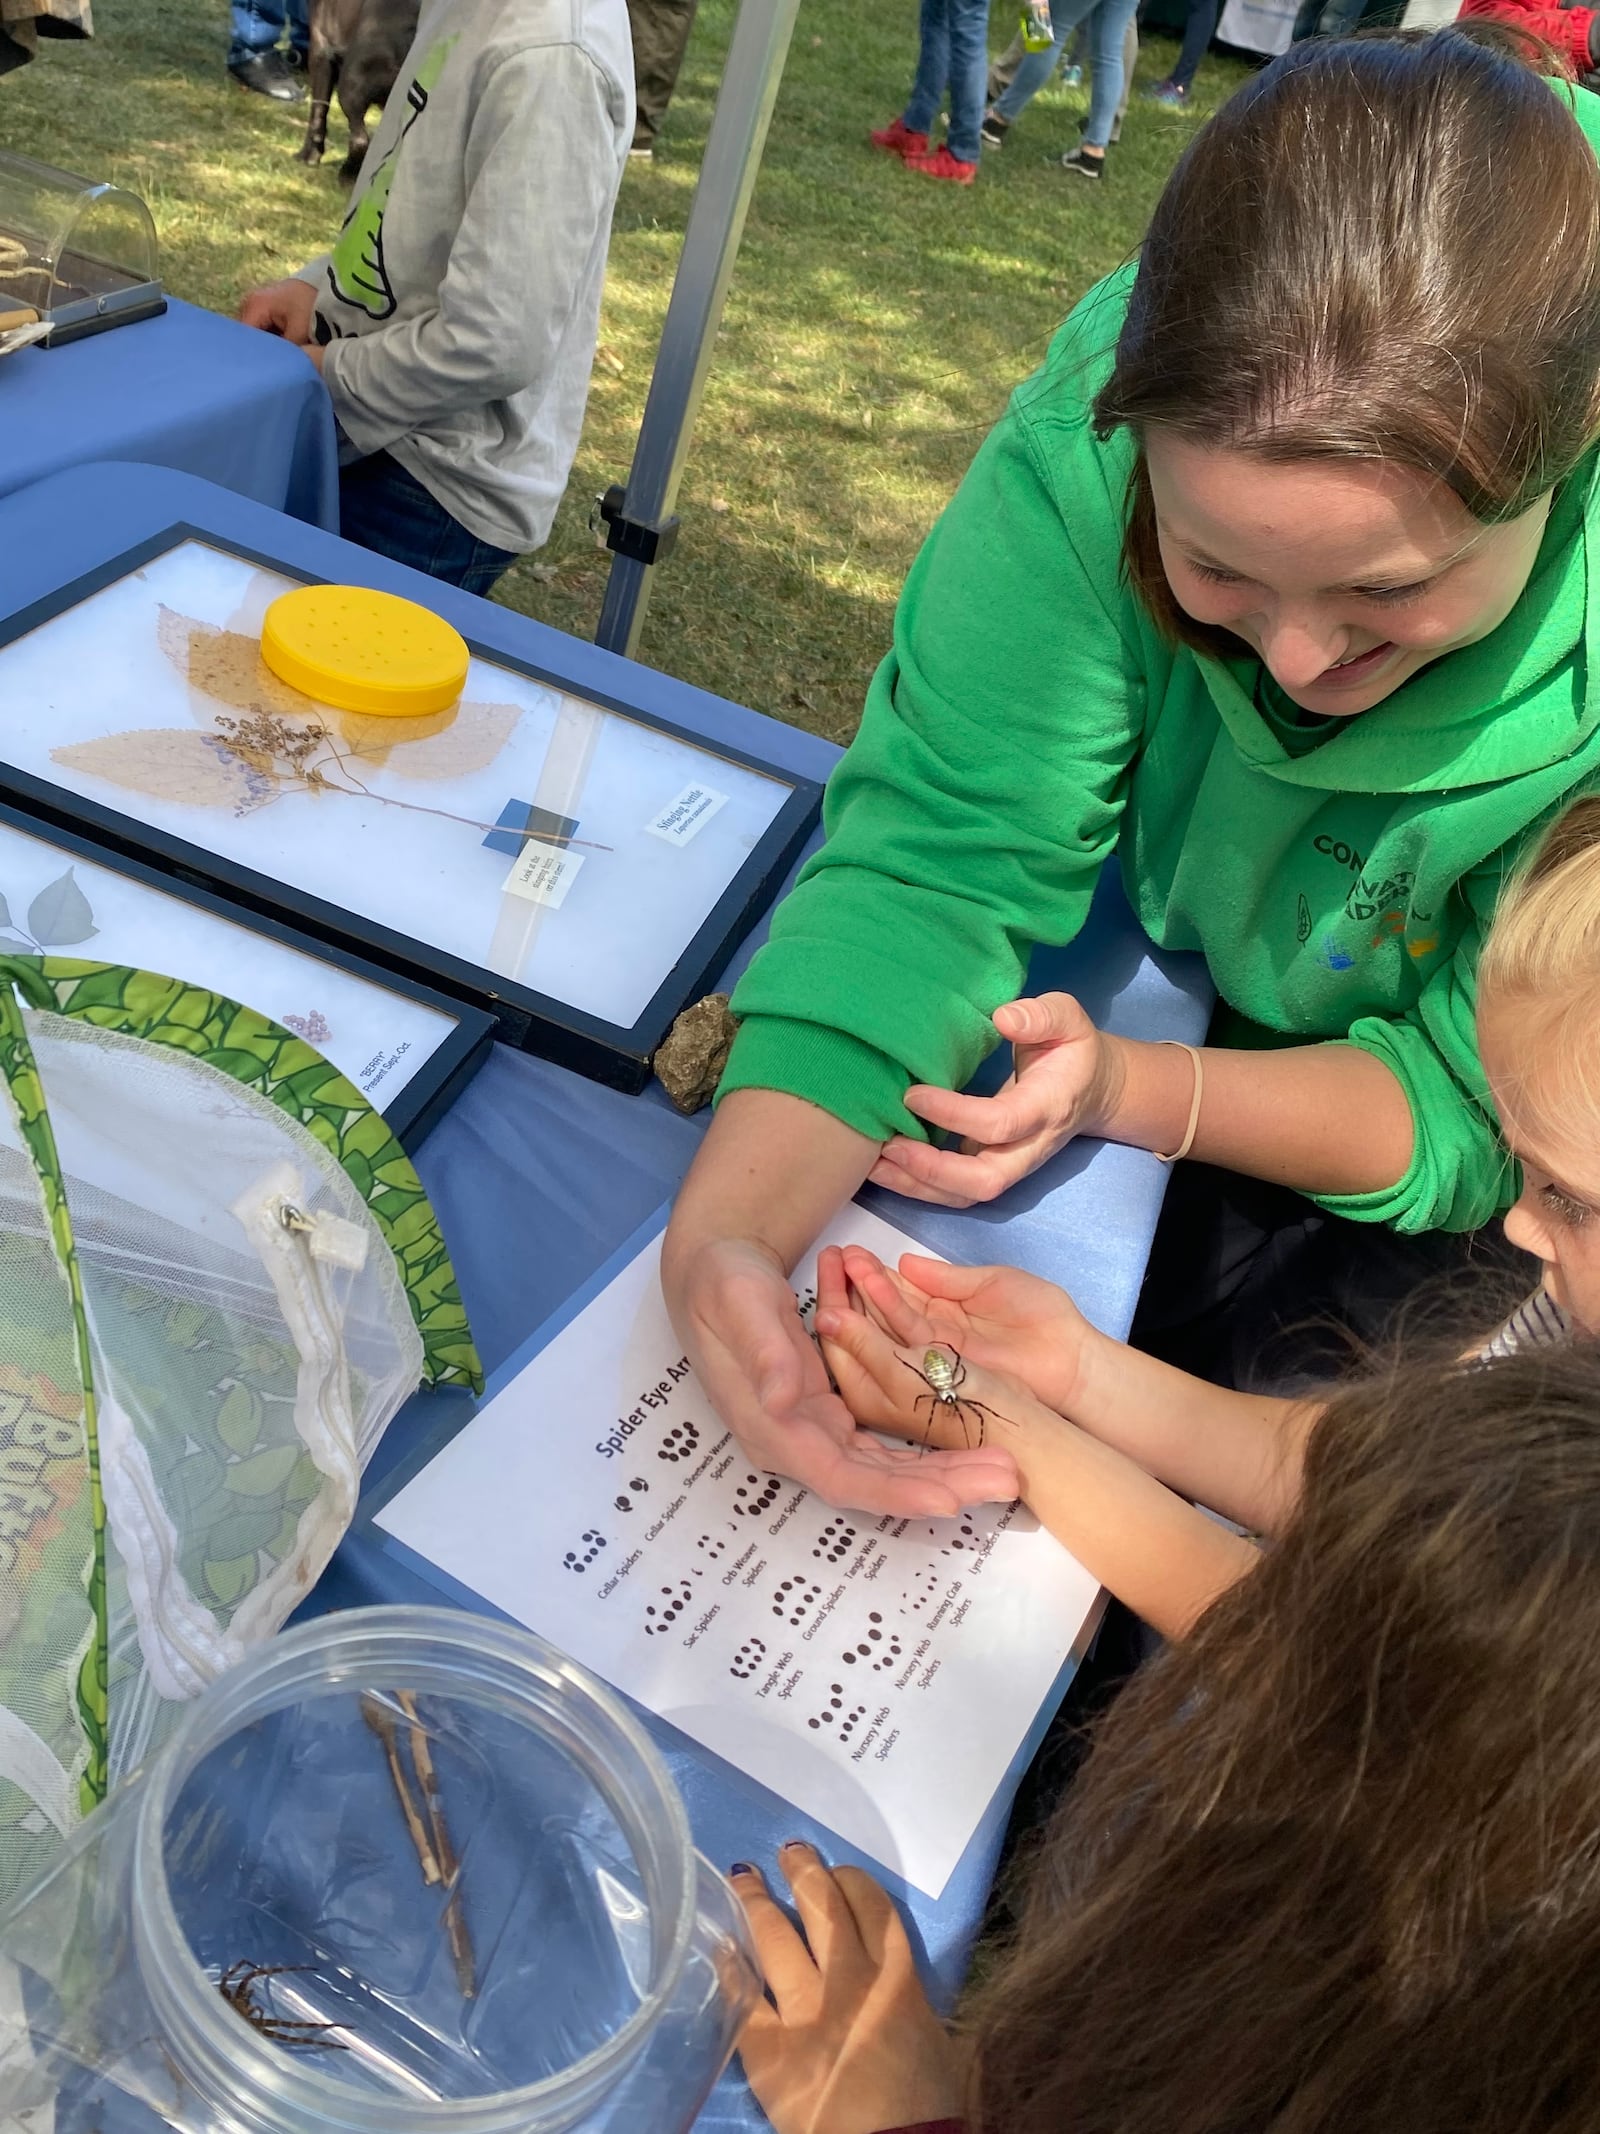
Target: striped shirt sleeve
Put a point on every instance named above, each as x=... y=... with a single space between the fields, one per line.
x=1538 y=1322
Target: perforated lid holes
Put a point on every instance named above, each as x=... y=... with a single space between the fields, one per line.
x=364 y=651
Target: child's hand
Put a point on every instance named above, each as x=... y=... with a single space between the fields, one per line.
x=284 y=308
x=994 y=1316
x=851 y=2045
x=885 y=1384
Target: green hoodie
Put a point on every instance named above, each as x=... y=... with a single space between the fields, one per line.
x=1030 y=721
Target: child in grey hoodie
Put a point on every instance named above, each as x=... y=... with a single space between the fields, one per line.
x=454 y=322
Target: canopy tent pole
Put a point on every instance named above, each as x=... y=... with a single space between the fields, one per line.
x=638 y=518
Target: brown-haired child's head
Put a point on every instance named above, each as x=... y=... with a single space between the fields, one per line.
x=1333 y=1866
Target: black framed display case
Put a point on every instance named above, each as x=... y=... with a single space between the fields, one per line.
x=409 y=1048
x=573 y=864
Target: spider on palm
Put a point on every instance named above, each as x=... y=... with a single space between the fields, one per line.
x=239 y=1986
x=944 y=1374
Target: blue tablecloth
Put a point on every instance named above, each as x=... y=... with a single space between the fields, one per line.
x=189 y=390
x=531 y=1154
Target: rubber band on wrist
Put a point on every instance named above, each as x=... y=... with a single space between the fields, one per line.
x=1190 y=1130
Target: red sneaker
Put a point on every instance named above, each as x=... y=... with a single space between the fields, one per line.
x=942 y=164
x=899 y=140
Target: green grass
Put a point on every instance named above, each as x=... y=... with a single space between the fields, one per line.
x=875 y=326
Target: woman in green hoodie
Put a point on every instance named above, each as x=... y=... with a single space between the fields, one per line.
x=1275 y=581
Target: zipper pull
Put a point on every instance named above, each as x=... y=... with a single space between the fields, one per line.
x=329 y=1237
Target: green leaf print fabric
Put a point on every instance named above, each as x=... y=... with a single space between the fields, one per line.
x=219 y=1279
x=262 y=1055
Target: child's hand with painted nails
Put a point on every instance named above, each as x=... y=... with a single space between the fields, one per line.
x=848 y=2043
x=997 y=1317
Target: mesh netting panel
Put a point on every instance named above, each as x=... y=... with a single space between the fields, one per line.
x=250 y=1339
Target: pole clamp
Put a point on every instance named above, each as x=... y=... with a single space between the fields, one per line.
x=637 y=539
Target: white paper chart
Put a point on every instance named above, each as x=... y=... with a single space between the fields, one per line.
x=879 y=1674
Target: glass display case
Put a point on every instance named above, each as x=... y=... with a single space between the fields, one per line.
x=79 y=255
x=579 y=868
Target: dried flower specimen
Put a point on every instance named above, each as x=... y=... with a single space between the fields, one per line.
x=226 y=666
x=173 y=763
x=313 y=1026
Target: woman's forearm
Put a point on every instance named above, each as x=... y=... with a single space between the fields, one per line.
x=1240 y=1453
x=1321 y=1118
x=772 y=1170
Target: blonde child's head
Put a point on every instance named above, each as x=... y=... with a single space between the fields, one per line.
x=1539 y=1041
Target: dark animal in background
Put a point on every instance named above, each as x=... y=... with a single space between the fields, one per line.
x=357 y=46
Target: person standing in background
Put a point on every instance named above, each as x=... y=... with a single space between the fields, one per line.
x=1198 y=32
x=1106 y=25
x=454 y=321
x=257 y=58
x=954 y=55
x=1004 y=72
x=660 y=35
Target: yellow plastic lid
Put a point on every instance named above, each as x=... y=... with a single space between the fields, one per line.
x=363 y=651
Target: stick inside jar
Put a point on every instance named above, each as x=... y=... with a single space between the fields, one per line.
x=381 y=1720
x=449 y=1862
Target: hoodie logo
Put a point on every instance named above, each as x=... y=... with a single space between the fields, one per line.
x=358 y=273
x=1369 y=894
x=1372 y=894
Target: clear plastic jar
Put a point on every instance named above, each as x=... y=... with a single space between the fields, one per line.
x=243 y=1939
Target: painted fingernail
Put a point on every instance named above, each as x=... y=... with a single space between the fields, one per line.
x=796 y=1845
x=741 y=1867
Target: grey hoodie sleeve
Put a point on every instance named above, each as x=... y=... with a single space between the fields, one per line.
x=541 y=169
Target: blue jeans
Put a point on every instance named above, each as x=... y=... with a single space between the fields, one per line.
x=955 y=55
x=1105 y=25
x=258 y=25
x=386 y=509
x=1198 y=31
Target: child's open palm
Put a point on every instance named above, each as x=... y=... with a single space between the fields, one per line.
x=883 y=1377
x=996 y=1317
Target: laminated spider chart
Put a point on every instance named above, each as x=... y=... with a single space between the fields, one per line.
x=219 y=1279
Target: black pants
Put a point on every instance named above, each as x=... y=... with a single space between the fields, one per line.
x=1253 y=1286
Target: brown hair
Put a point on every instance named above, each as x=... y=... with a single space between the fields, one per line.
x=1383 y=247
x=1333 y=1866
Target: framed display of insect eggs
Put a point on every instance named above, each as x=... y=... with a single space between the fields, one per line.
x=406 y=1047
x=576 y=867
